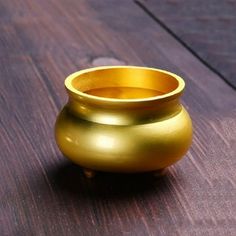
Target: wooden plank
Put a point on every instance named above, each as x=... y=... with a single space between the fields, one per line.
x=41 y=193
x=207 y=29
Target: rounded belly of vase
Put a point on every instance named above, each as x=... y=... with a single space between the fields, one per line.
x=124 y=148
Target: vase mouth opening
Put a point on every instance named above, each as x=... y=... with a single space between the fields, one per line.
x=124 y=84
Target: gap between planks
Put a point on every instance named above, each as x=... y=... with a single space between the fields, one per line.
x=182 y=42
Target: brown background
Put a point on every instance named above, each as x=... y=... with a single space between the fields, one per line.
x=41 y=42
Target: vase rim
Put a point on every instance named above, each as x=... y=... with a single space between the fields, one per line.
x=169 y=95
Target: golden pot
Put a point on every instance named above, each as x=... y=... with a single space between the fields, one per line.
x=124 y=119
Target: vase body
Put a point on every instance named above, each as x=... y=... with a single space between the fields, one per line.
x=124 y=135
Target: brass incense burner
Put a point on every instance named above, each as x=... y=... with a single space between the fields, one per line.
x=123 y=119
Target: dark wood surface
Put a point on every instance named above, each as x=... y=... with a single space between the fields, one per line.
x=206 y=28
x=42 y=193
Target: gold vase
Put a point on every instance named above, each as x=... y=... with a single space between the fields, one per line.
x=123 y=119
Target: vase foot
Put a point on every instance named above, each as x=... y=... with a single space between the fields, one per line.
x=160 y=172
x=89 y=173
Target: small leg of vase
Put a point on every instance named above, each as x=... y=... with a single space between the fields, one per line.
x=89 y=173
x=160 y=172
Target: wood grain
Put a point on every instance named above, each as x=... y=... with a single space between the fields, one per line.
x=42 y=193
x=207 y=29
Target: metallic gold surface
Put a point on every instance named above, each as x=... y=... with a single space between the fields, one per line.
x=124 y=135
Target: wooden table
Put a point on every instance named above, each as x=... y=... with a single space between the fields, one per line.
x=41 y=42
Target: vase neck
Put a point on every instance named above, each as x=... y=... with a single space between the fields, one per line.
x=124 y=114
